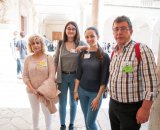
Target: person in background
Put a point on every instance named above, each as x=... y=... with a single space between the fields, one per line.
x=65 y=60
x=91 y=78
x=14 y=52
x=21 y=53
x=154 y=120
x=13 y=44
x=38 y=67
x=108 y=47
x=113 y=46
x=132 y=84
x=49 y=44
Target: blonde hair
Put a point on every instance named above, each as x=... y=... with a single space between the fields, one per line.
x=32 y=39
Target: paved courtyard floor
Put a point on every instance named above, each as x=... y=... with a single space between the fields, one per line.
x=15 y=112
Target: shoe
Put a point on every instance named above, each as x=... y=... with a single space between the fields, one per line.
x=71 y=127
x=63 y=127
x=19 y=76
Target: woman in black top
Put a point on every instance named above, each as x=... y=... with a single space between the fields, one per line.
x=91 y=78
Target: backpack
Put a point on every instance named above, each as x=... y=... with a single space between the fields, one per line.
x=137 y=51
x=138 y=56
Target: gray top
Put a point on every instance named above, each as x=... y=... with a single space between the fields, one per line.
x=65 y=60
x=68 y=60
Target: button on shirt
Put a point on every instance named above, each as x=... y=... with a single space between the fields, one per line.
x=137 y=84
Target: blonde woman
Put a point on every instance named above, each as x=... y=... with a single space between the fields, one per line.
x=38 y=67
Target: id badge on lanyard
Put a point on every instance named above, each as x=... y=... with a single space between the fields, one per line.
x=87 y=55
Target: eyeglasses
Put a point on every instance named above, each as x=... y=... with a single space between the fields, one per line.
x=71 y=29
x=122 y=29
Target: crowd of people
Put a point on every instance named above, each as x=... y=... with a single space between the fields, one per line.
x=86 y=70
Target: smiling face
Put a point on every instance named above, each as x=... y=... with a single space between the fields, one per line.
x=122 y=33
x=91 y=37
x=35 y=44
x=71 y=31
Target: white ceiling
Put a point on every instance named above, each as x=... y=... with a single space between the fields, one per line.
x=58 y=10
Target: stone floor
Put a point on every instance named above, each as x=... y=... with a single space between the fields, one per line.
x=15 y=112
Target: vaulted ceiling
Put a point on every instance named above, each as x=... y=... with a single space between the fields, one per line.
x=58 y=10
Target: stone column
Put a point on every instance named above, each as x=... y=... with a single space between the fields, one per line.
x=154 y=122
x=97 y=21
x=97 y=7
x=83 y=17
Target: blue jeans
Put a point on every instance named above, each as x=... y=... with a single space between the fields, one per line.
x=67 y=83
x=18 y=66
x=90 y=116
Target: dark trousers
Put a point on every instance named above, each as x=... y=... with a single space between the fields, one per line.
x=123 y=115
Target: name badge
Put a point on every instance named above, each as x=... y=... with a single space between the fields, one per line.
x=127 y=69
x=73 y=50
x=87 y=56
x=42 y=64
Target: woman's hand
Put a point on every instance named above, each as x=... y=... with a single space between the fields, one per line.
x=95 y=104
x=32 y=90
x=81 y=48
x=55 y=79
x=76 y=96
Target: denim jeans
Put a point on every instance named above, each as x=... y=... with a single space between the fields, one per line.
x=22 y=64
x=68 y=81
x=18 y=66
x=90 y=116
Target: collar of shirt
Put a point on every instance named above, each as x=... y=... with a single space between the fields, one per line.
x=124 y=46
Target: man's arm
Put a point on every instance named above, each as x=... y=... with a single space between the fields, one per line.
x=144 y=112
x=149 y=82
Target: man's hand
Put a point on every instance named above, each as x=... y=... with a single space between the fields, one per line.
x=144 y=112
x=142 y=115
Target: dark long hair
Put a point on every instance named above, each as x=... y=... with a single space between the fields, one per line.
x=77 y=36
x=100 y=52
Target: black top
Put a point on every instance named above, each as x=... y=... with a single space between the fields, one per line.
x=92 y=72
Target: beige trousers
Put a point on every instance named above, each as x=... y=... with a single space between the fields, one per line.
x=154 y=121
